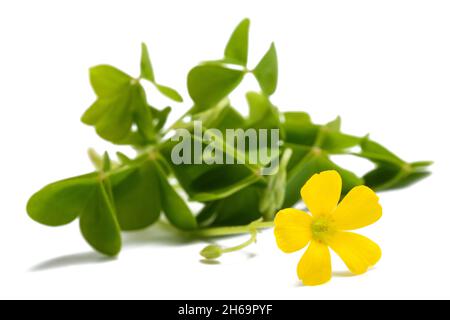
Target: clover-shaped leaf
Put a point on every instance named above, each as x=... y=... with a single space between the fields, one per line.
x=85 y=197
x=120 y=101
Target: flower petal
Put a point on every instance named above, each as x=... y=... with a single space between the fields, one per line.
x=359 y=209
x=315 y=266
x=322 y=192
x=358 y=252
x=292 y=230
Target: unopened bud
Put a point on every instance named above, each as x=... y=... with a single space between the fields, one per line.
x=211 y=252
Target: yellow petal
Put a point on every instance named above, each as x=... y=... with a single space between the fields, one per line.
x=359 y=209
x=292 y=230
x=322 y=192
x=315 y=266
x=359 y=253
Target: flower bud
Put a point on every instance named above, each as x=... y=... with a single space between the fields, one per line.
x=211 y=252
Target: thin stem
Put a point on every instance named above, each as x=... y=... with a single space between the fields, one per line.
x=227 y=231
x=243 y=245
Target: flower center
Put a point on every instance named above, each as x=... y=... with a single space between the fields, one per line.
x=321 y=229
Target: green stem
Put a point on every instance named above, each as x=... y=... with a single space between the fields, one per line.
x=243 y=245
x=227 y=231
x=214 y=251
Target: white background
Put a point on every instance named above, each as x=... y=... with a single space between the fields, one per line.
x=383 y=65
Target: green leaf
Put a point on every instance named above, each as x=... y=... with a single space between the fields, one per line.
x=391 y=171
x=273 y=195
x=137 y=198
x=206 y=182
x=61 y=202
x=335 y=125
x=377 y=153
x=174 y=207
x=237 y=47
x=266 y=72
x=336 y=142
x=169 y=93
x=117 y=120
x=123 y=158
x=207 y=213
x=161 y=117
x=239 y=209
x=219 y=183
x=310 y=164
x=106 y=162
x=299 y=130
x=107 y=81
x=263 y=114
x=389 y=176
x=222 y=116
x=143 y=116
x=209 y=84
x=98 y=222
x=96 y=159
x=114 y=116
x=146 y=65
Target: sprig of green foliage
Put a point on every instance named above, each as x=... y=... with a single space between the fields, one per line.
x=132 y=193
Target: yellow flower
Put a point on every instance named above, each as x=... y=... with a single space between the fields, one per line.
x=327 y=226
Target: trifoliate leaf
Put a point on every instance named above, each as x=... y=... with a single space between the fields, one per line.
x=114 y=115
x=209 y=84
x=146 y=65
x=237 y=47
x=266 y=72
